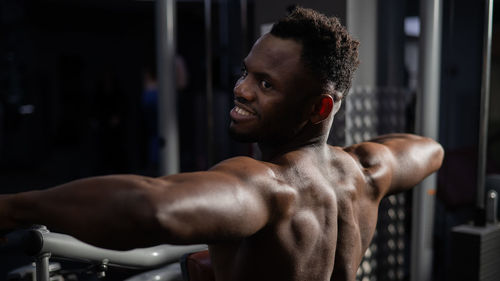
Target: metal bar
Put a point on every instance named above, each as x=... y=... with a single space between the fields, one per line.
x=42 y=267
x=426 y=125
x=65 y=246
x=491 y=207
x=224 y=42
x=485 y=88
x=167 y=96
x=209 y=82
x=244 y=26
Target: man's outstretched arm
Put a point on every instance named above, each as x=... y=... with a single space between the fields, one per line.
x=397 y=162
x=126 y=211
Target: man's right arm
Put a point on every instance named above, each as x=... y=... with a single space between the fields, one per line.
x=397 y=162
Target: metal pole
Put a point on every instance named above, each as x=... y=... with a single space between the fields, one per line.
x=244 y=25
x=209 y=82
x=42 y=267
x=483 y=125
x=426 y=125
x=167 y=96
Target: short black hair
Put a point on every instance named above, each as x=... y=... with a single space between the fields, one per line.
x=328 y=50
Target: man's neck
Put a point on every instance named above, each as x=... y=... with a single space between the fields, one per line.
x=310 y=136
x=272 y=151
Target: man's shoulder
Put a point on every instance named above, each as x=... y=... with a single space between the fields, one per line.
x=344 y=157
x=374 y=161
x=365 y=153
x=246 y=168
x=260 y=175
x=367 y=160
x=241 y=162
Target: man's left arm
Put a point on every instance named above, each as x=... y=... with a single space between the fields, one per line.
x=128 y=211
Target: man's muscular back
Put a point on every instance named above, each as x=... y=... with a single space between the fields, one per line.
x=325 y=202
x=306 y=214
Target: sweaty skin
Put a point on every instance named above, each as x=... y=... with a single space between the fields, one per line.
x=306 y=211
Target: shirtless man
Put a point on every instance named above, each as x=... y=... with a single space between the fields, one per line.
x=306 y=211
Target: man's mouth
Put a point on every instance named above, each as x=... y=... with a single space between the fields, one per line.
x=242 y=111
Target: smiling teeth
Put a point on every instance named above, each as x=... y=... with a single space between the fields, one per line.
x=241 y=111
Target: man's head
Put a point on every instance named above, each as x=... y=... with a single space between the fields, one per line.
x=328 y=50
x=288 y=85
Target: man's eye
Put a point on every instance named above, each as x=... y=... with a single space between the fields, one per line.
x=265 y=84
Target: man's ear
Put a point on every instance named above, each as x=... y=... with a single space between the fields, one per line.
x=322 y=108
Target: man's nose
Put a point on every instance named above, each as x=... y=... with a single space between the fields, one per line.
x=243 y=89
